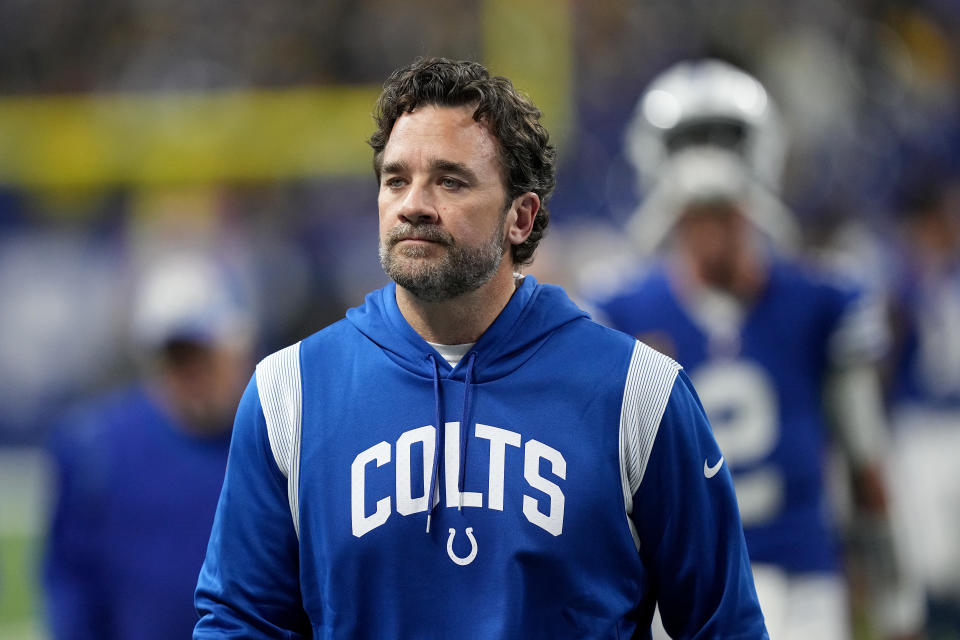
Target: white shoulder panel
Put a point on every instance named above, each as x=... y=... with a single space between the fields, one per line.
x=281 y=396
x=649 y=382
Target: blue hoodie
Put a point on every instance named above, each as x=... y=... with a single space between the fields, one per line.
x=585 y=488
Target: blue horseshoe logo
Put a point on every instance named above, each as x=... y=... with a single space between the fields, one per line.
x=473 y=548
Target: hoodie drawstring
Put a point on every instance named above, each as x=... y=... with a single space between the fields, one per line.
x=431 y=502
x=441 y=428
x=464 y=424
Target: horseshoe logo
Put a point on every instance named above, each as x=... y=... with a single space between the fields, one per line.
x=473 y=548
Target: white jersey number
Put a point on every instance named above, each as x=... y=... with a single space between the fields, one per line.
x=741 y=403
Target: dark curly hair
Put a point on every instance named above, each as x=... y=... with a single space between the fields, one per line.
x=526 y=156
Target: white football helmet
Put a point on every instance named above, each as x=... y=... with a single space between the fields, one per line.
x=706 y=102
x=705 y=129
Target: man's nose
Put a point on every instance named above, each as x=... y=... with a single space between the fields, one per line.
x=418 y=206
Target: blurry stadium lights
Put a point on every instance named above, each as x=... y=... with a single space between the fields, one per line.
x=175 y=138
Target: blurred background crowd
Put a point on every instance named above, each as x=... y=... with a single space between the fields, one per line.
x=137 y=129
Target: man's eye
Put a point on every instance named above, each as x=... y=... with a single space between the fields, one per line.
x=450 y=183
x=393 y=183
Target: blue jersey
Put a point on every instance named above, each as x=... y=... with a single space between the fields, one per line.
x=761 y=380
x=136 y=498
x=927 y=364
x=562 y=497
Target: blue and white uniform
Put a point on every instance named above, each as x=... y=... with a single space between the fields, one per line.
x=568 y=482
x=926 y=421
x=761 y=372
x=762 y=388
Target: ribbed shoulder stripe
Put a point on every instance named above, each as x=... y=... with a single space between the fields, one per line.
x=650 y=379
x=281 y=397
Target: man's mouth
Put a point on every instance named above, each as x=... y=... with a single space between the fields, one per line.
x=420 y=237
x=416 y=239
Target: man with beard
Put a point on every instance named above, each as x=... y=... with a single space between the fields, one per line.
x=467 y=454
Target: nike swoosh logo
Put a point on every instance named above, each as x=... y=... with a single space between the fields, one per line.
x=709 y=471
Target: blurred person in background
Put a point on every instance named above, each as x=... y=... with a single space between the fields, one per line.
x=138 y=471
x=926 y=390
x=780 y=353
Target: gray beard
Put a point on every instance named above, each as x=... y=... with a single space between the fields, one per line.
x=459 y=270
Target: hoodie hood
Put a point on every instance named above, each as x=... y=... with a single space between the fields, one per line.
x=532 y=314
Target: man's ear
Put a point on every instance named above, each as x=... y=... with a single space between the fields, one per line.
x=523 y=211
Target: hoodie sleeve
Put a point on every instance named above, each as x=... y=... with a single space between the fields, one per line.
x=689 y=529
x=249 y=585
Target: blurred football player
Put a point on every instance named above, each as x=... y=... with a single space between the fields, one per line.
x=778 y=351
x=926 y=398
x=139 y=471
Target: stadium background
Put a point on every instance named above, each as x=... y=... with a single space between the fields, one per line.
x=130 y=126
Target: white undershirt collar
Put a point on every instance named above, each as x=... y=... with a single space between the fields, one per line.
x=452 y=353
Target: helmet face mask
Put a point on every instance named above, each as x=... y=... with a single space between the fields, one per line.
x=724 y=134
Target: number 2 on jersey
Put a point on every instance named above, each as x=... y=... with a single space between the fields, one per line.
x=741 y=403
